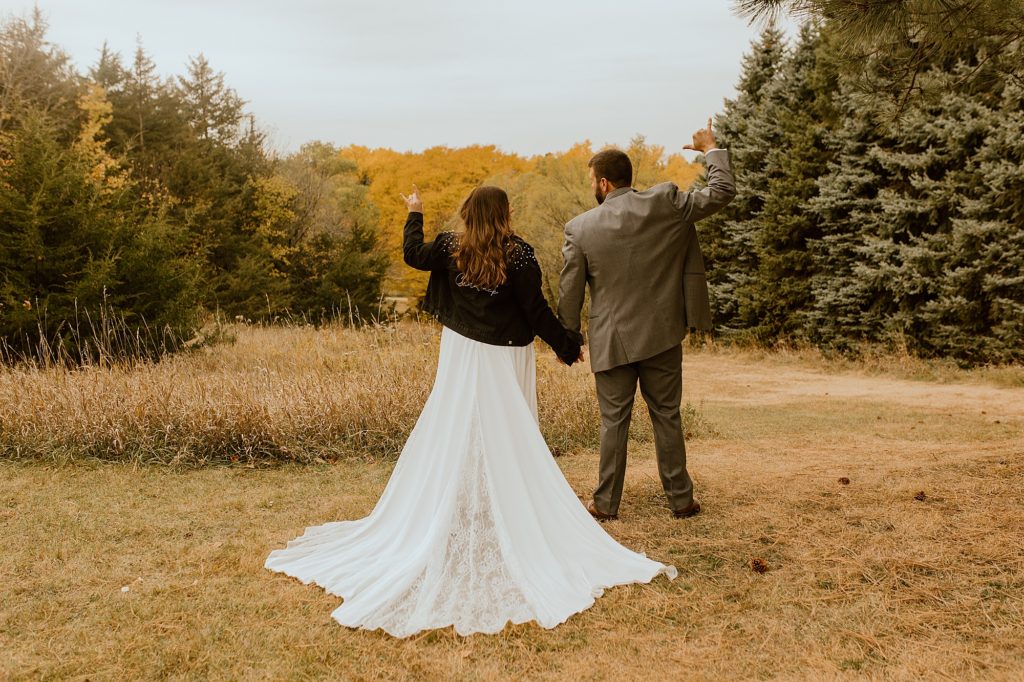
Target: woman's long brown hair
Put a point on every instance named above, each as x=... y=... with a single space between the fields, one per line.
x=481 y=253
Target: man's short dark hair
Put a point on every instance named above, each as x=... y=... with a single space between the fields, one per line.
x=614 y=166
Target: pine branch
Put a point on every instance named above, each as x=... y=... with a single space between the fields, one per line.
x=889 y=44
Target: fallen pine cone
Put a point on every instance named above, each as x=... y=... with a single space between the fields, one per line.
x=844 y=480
x=758 y=565
x=920 y=497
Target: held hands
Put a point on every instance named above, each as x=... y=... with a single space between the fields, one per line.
x=413 y=202
x=578 y=359
x=703 y=140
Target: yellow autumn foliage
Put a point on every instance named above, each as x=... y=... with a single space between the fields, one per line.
x=273 y=214
x=444 y=176
x=105 y=171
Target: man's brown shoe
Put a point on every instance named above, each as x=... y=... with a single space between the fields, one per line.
x=598 y=514
x=688 y=511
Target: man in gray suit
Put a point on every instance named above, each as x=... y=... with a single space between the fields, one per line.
x=638 y=253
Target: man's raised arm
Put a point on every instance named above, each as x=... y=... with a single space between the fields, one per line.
x=721 y=189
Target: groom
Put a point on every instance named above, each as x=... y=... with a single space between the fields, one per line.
x=638 y=253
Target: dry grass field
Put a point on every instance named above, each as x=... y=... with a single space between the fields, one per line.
x=884 y=510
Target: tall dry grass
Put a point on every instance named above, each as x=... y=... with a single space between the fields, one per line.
x=102 y=336
x=267 y=394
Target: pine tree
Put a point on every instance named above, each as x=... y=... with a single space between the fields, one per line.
x=917 y=245
x=728 y=238
x=890 y=46
x=214 y=110
x=926 y=169
x=993 y=222
x=37 y=77
x=78 y=243
x=975 y=265
x=799 y=100
x=147 y=126
x=845 y=209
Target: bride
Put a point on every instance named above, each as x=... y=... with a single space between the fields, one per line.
x=476 y=527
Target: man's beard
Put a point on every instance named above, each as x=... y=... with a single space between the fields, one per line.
x=599 y=196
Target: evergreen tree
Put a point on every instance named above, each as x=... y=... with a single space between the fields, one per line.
x=186 y=143
x=987 y=267
x=215 y=176
x=37 y=76
x=729 y=238
x=910 y=222
x=961 y=276
x=214 y=110
x=799 y=102
x=845 y=209
x=904 y=249
x=78 y=243
x=889 y=46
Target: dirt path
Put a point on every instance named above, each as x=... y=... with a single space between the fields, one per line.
x=748 y=381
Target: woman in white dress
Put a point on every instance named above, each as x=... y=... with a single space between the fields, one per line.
x=477 y=527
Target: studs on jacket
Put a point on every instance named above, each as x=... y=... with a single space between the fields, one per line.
x=520 y=254
x=450 y=238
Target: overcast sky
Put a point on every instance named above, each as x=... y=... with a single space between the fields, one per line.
x=530 y=76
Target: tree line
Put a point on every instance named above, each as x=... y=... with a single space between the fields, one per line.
x=157 y=200
x=851 y=226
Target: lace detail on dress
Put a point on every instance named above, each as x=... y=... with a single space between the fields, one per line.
x=468 y=584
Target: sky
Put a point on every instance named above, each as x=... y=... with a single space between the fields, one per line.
x=530 y=76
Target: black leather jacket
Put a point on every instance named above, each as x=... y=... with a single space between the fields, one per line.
x=510 y=315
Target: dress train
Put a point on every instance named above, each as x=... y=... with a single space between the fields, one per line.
x=477 y=526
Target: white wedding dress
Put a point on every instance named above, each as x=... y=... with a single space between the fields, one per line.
x=477 y=526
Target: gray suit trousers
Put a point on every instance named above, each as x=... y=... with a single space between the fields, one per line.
x=661 y=385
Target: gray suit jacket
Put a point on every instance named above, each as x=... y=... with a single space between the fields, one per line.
x=639 y=255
